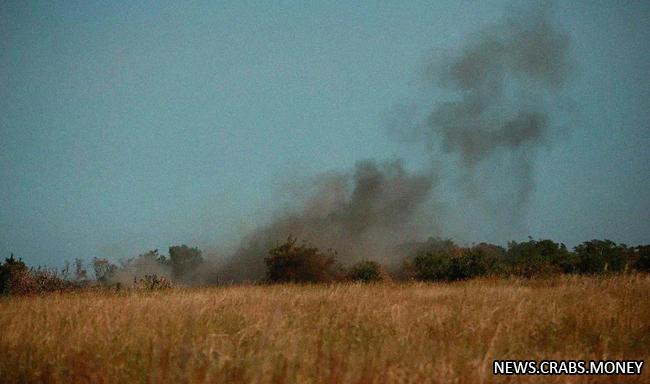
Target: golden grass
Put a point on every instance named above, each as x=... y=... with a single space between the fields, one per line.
x=343 y=333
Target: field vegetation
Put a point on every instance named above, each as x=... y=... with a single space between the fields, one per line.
x=297 y=262
x=443 y=317
x=392 y=332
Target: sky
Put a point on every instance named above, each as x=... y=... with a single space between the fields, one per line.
x=128 y=126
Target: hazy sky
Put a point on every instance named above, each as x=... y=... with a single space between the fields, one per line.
x=126 y=126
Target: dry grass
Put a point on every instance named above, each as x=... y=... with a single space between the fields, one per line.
x=344 y=333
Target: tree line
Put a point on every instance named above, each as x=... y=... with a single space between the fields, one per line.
x=437 y=259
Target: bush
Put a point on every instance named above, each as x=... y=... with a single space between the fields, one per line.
x=294 y=263
x=48 y=280
x=15 y=276
x=441 y=264
x=601 y=256
x=432 y=266
x=441 y=259
x=436 y=260
x=538 y=257
x=367 y=271
x=480 y=260
x=184 y=261
x=642 y=254
x=17 y=279
x=152 y=283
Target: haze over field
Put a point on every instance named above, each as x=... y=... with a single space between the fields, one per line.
x=131 y=127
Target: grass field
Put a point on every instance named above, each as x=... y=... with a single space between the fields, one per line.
x=342 y=333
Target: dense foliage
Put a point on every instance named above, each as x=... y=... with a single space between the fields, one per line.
x=367 y=271
x=441 y=259
x=642 y=258
x=435 y=259
x=184 y=262
x=17 y=278
x=299 y=263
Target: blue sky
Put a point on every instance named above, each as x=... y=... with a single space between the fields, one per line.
x=126 y=126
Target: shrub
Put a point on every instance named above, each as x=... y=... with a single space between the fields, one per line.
x=184 y=261
x=479 y=260
x=367 y=271
x=538 y=257
x=433 y=265
x=601 y=256
x=152 y=283
x=435 y=260
x=642 y=253
x=48 y=280
x=17 y=279
x=289 y=262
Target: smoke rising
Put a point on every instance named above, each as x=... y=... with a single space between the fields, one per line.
x=501 y=91
x=505 y=83
x=138 y=267
x=361 y=214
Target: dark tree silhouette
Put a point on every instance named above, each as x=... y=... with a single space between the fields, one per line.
x=184 y=261
x=290 y=262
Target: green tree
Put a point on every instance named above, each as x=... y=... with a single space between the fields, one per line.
x=290 y=262
x=436 y=259
x=642 y=254
x=601 y=256
x=479 y=260
x=13 y=275
x=367 y=271
x=434 y=265
x=184 y=261
x=538 y=257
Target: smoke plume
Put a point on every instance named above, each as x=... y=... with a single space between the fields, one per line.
x=501 y=91
x=505 y=85
x=361 y=215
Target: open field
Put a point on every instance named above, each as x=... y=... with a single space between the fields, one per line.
x=349 y=333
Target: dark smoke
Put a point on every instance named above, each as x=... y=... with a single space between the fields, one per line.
x=504 y=83
x=501 y=90
x=361 y=214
